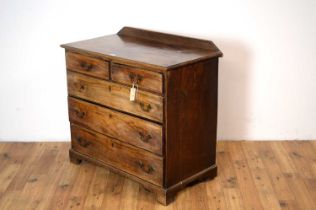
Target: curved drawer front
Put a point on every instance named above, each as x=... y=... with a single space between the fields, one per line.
x=87 y=65
x=140 y=163
x=117 y=96
x=138 y=132
x=146 y=80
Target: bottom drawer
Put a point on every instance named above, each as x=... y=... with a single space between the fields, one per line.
x=140 y=163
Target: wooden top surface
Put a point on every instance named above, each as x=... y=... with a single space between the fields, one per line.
x=147 y=48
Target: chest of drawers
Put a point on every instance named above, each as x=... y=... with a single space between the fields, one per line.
x=164 y=135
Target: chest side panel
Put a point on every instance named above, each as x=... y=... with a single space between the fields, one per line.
x=191 y=120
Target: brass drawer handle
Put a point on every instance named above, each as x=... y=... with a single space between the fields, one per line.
x=144 y=138
x=149 y=169
x=86 y=66
x=83 y=142
x=82 y=87
x=145 y=107
x=140 y=164
x=80 y=114
x=135 y=78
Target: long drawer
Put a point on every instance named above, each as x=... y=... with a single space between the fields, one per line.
x=146 y=105
x=129 y=129
x=138 y=162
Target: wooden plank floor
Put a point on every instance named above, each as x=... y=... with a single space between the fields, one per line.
x=251 y=175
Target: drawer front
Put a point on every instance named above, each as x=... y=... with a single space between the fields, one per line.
x=146 y=80
x=87 y=65
x=146 y=105
x=134 y=131
x=140 y=163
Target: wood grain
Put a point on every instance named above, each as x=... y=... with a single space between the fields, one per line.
x=141 y=133
x=63 y=185
x=87 y=65
x=145 y=80
x=146 y=105
x=191 y=120
x=261 y=178
x=169 y=39
x=160 y=52
x=143 y=164
x=173 y=116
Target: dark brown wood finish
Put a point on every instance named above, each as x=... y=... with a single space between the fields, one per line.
x=170 y=39
x=87 y=65
x=113 y=95
x=143 y=79
x=191 y=120
x=141 y=163
x=135 y=47
x=166 y=138
x=129 y=129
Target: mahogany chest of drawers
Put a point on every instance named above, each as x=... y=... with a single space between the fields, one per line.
x=144 y=105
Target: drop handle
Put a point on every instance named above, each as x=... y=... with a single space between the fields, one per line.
x=80 y=114
x=144 y=138
x=83 y=142
x=86 y=66
x=147 y=169
x=81 y=87
x=135 y=78
x=145 y=107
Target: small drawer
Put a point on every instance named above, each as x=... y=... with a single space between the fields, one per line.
x=134 y=131
x=87 y=65
x=140 y=163
x=145 y=80
x=146 y=105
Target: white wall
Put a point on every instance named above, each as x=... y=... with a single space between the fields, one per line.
x=267 y=75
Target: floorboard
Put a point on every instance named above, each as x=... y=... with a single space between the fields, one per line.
x=251 y=175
